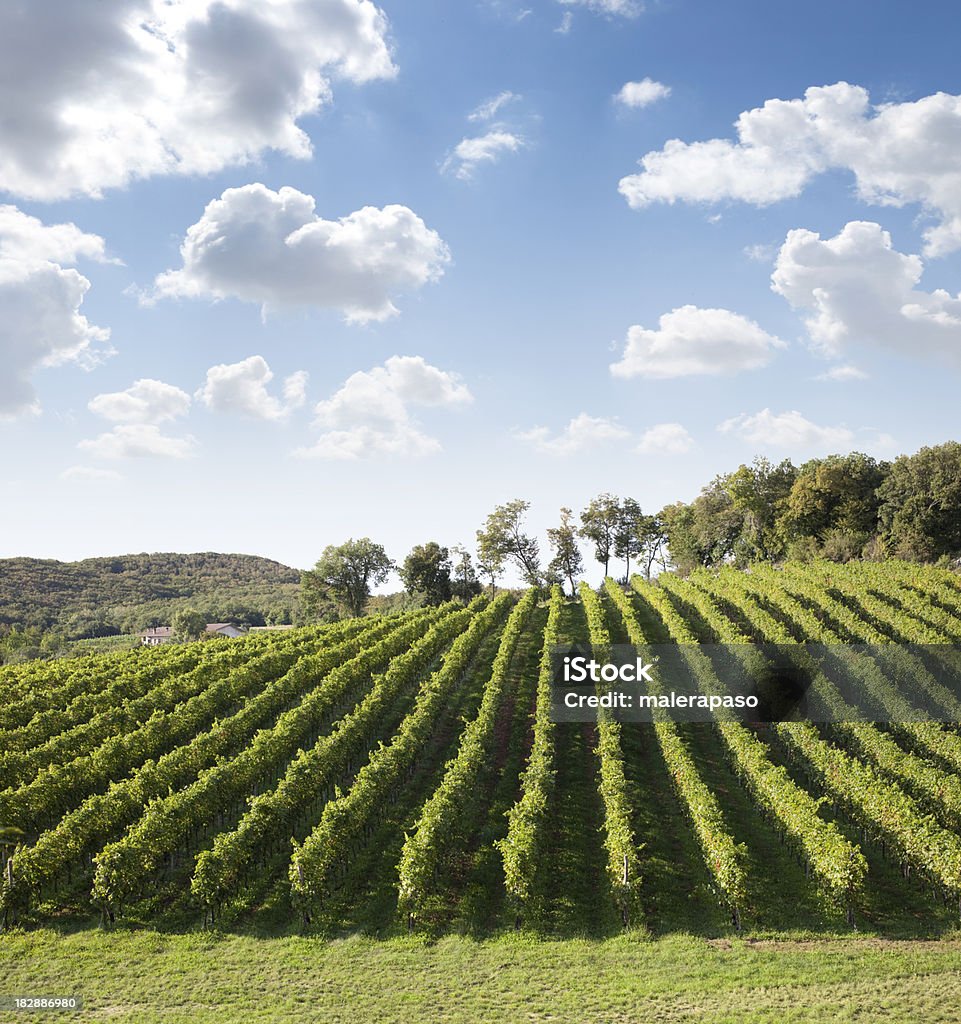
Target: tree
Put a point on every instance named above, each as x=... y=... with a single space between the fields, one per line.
x=343 y=578
x=567 y=561
x=704 y=532
x=759 y=492
x=503 y=536
x=426 y=570
x=627 y=533
x=920 y=513
x=652 y=531
x=599 y=523
x=490 y=558
x=464 y=581
x=189 y=624
x=835 y=502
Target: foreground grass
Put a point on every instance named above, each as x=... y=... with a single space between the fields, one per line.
x=148 y=977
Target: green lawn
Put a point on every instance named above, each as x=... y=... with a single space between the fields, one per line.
x=147 y=977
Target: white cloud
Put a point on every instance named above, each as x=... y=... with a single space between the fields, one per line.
x=295 y=389
x=29 y=240
x=271 y=248
x=582 y=433
x=665 y=439
x=857 y=288
x=567 y=21
x=145 y=401
x=370 y=414
x=624 y=8
x=40 y=304
x=89 y=473
x=138 y=440
x=42 y=327
x=899 y=153
x=94 y=96
x=787 y=430
x=242 y=388
x=691 y=340
x=643 y=93
x=489 y=108
x=488 y=148
x=401 y=441
x=843 y=373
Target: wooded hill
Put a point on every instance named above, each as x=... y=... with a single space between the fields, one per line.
x=125 y=593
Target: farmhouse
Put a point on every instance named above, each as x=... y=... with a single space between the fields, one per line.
x=165 y=634
x=157 y=635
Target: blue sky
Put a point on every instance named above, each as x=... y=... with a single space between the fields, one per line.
x=439 y=329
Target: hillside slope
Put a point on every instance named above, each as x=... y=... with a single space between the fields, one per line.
x=128 y=592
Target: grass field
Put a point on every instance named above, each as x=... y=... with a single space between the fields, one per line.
x=153 y=978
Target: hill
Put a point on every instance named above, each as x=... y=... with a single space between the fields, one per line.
x=100 y=596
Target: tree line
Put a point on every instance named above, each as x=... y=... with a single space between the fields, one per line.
x=840 y=507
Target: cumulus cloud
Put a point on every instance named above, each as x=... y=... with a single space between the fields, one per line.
x=789 y=430
x=42 y=327
x=857 y=288
x=691 y=340
x=93 y=96
x=899 y=153
x=271 y=248
x=665 y=439
x=137 y=441
x=29 y=240
x=371 y=413
x=145 y=401
x=242 y=388
x=642 y=94
x=468 y=154
x=489 y=108
x=138 y=410
x=582 y=433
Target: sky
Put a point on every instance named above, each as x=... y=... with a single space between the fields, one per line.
x=276 y=273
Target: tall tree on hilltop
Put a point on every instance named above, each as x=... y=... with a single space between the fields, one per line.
x=567 y=562
x=426 y=570
x=490 y=559
x=464 y=582
x=653 y=537
x=599 y=523
x=503 y=536
x=920 y=514
x=627 y=542
x=759 y=492
x=344 y=576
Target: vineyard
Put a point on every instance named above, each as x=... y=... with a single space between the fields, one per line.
x=402 y=773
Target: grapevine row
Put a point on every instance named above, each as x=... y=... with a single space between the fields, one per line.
x=58 y=788
x=424 y=849
x=881 y=806
x=838 y=865
x=523 y=847
x=104 y=815
x=124 y=867
x=346 y=821
x=722 y=854
x=623 y=861
x=310 y=776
